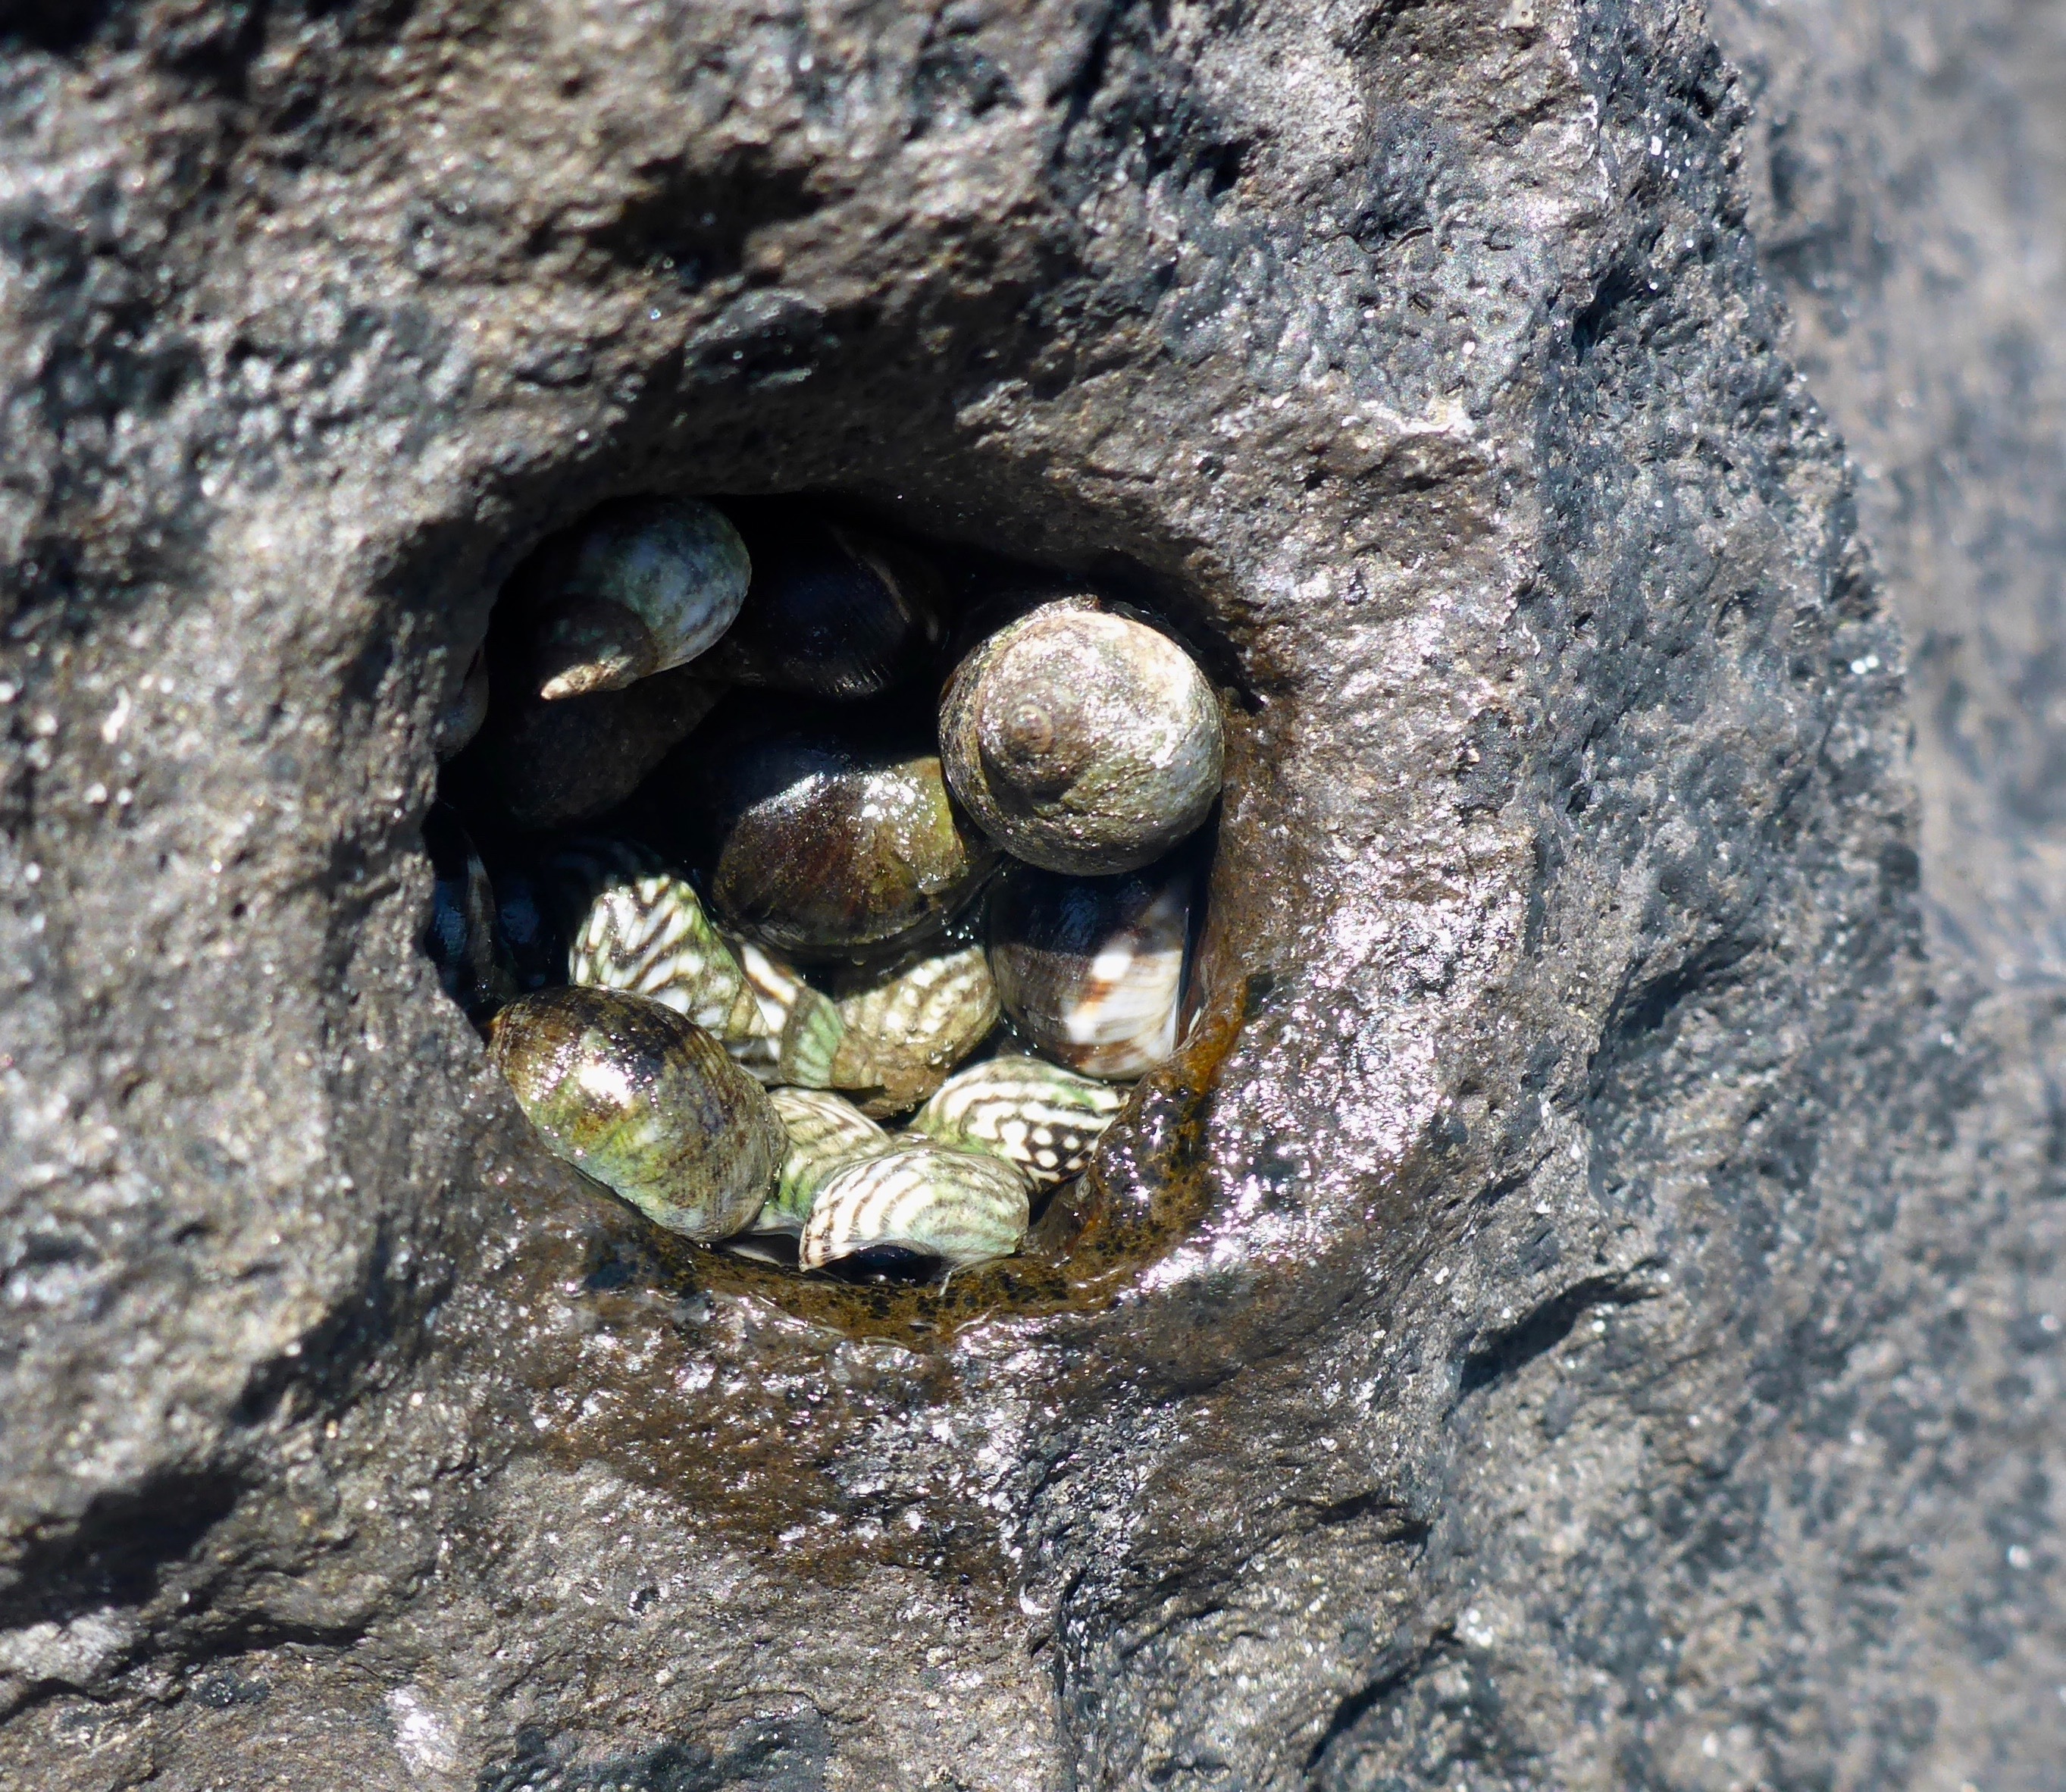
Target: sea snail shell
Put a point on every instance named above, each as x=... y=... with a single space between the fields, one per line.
x=646 y=1102
x=959 y=1208
x=1090 y=970
x=1036 y=1114
x=903 y=1029
x=832 y=611
x=652 y=583
x=827 y=1132
x=820 y=845
x=1081 y=741
x=461 y=936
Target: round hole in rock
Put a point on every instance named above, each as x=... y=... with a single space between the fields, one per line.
x=827 y=894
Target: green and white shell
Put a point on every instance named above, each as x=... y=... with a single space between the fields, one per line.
x=645 y=1101
x=1033 y=1113
x=960 y=1207
x=827 y=1132
x=905 y=1028
x=649 y=584
x=1081 y=741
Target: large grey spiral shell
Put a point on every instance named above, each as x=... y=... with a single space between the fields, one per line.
x=1081 y=741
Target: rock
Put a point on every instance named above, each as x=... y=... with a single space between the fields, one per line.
x=1582 y=1310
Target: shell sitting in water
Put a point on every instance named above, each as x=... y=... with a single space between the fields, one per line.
x=818 y=843
x=832 y=611
x=1081 y=741
x=958 y=1208
x=903 y=1029
x=827 y=1132
x=1036 y=1114
x=646 y=1102
x=1090 y=970
x=648 y=585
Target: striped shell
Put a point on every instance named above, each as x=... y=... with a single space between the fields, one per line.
x=907 y=1028
x=1090 y=970
x=959 y=1208
x=649 y=585
x=645 y=932
x=1036 y=1114
x=826 y=1132
x=800 y=1030
x=1081 y=741
x=646 y=1102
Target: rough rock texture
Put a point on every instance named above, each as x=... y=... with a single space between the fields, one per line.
x=1587 y=1311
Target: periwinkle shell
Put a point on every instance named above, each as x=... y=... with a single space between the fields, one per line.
x=832 y=611
x=824 y=843
x=1090 y=970
x=1082 y=741
x=647 y=584
x=644 y=931
x=959 y=1208
x=461 y=936
x=905 y=1027
x=646 y=1102
x=826 y=1132
x=1037 y=1115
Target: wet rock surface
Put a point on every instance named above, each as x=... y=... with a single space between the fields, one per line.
x=1586 y=1307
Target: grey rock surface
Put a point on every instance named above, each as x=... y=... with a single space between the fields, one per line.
x=1585 y=1311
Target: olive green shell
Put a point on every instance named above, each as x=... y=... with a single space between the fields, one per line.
x=648 y=585
x=799 y=1029
x=905 y=1028
x=1037 y=1115
x=826 y=1132
x=646 y=1102
x=1081 y=741
x=961 y=1207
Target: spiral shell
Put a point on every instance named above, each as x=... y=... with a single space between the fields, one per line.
x=959 y=1208
x=1081 y=741
x=647 y=934
x=649 y=585
x=905 y=1028
x=460 y=937
x=827 y=1132
x=646 y=1102
x=1090 y=970
x=800 y=1030
x=820 y=844
x=1036 y=1114
x=832 y=611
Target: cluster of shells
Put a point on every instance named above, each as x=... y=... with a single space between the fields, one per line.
x=809 y=926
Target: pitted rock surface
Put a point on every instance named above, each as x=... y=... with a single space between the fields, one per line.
x=1585 y=1311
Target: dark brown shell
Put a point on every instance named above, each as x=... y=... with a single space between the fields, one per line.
x=832 y=611
x=824 y=843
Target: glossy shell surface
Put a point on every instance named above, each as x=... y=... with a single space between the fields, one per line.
x=1090 y=970
x=799 y=1029
x=646 y=933
x=1081 y=741
x=832 y=611
x=1037 y=1115
x=644 y=1101
x=818 y=844
x=904 y=1027
x=649 y=585
x=961 y=1208
x=826 y=1132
